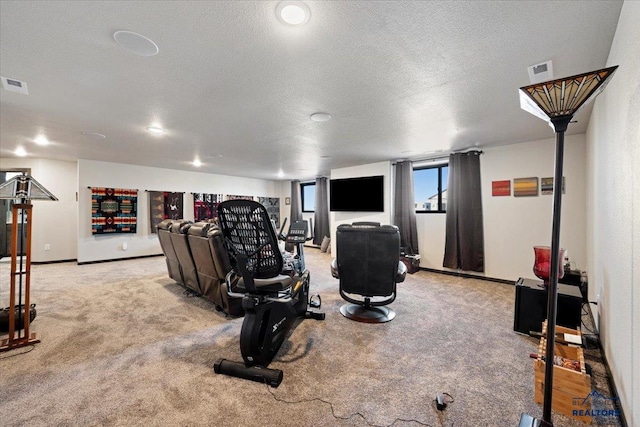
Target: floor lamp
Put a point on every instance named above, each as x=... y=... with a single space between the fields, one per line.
x=23 y=188
x=556 y=102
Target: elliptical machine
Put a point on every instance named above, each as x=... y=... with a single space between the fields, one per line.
x=273 y=298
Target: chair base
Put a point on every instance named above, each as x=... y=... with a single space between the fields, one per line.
x=367 y=315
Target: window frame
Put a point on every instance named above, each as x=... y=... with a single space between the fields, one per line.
x=439 y=167
x=302 y=186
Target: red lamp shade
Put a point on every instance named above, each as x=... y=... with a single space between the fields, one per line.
x=542 y=264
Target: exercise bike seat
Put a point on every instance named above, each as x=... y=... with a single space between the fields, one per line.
x=274 y=284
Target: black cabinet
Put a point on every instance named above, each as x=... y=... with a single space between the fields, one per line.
x=531 y=306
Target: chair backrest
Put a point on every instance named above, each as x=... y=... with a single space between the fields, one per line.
x=179 y=230
x=173 y=265
x=367 y=258
x=248 y=232
x=208 y=276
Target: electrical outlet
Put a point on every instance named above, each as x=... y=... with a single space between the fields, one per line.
x=124 y=246
x=47 y=247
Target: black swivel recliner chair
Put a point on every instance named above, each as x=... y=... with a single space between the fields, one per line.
x=368 y=264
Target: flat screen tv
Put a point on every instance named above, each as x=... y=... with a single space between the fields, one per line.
x=365 y=194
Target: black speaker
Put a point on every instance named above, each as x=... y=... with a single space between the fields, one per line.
x=531 y=306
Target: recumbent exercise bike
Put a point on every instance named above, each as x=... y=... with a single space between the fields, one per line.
x=273 y=299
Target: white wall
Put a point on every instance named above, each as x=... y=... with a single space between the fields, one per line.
x=613 y=223
x=101 y=174
x=54 y=222
x=372 y=169
x=513 y=225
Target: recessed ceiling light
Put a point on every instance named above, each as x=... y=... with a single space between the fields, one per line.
x=156 y=130
x=293 y=12
x=280 y=173
x=136 y=43
x=320 y=117
x=41 y=140
x=197 y=163
x=20 y=152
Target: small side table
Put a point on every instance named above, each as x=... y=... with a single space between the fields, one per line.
x=531 y=306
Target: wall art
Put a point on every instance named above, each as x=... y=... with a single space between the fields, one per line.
x=205 y=206
x=272 y=204
x=164 y=205
x=525 y=187
x=501 y=188
x=113 y=210
x=546 y=185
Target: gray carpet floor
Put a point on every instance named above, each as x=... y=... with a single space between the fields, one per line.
x=122 y=345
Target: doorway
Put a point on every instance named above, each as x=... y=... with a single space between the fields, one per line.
x=6 y=217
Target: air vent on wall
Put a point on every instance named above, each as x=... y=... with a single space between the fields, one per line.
x=540 y=72
x=14 y=85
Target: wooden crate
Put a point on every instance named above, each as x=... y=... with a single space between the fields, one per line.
x=569 y=386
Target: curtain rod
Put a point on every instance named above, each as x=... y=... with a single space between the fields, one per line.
x=440 y=157
x=130 y=189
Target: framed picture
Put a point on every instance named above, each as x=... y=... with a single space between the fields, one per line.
x=501 y=188
x=546 y=185
x=525 y=187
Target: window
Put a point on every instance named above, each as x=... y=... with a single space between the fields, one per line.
x=308 y=191
x=430 y=188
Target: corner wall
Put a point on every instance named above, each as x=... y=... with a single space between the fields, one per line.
x=54 y=222
x=613 y=222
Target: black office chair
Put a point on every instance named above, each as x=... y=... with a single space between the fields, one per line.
x=368 y=265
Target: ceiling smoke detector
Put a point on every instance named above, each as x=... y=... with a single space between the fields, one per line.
x=542 y=72
x=15 y=85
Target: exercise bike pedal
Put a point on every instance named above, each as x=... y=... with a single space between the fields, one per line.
x=315 y=301
x=314 y=315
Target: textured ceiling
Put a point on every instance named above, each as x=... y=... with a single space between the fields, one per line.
x=235 y=87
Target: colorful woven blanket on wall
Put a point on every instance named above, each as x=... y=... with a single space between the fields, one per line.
x=205 y=206
x=164 y=205
x=113 y=210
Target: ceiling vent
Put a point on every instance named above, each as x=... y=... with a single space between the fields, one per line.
x=13 y=85
x=541 y=72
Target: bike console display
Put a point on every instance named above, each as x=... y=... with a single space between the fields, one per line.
x=297 y=232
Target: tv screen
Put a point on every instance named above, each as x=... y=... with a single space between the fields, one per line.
x=364 y=194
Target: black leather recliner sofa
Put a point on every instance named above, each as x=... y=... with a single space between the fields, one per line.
x=196 y=259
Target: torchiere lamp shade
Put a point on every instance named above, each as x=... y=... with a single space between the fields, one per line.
x=24 y=187
x=564 y=97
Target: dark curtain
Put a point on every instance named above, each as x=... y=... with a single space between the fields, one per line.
x=321 y=216
x=404 y=210
x=464 y=241
x=296 y=204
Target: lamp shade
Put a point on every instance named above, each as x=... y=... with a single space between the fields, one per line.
x=564 y=97
x=24 y=187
